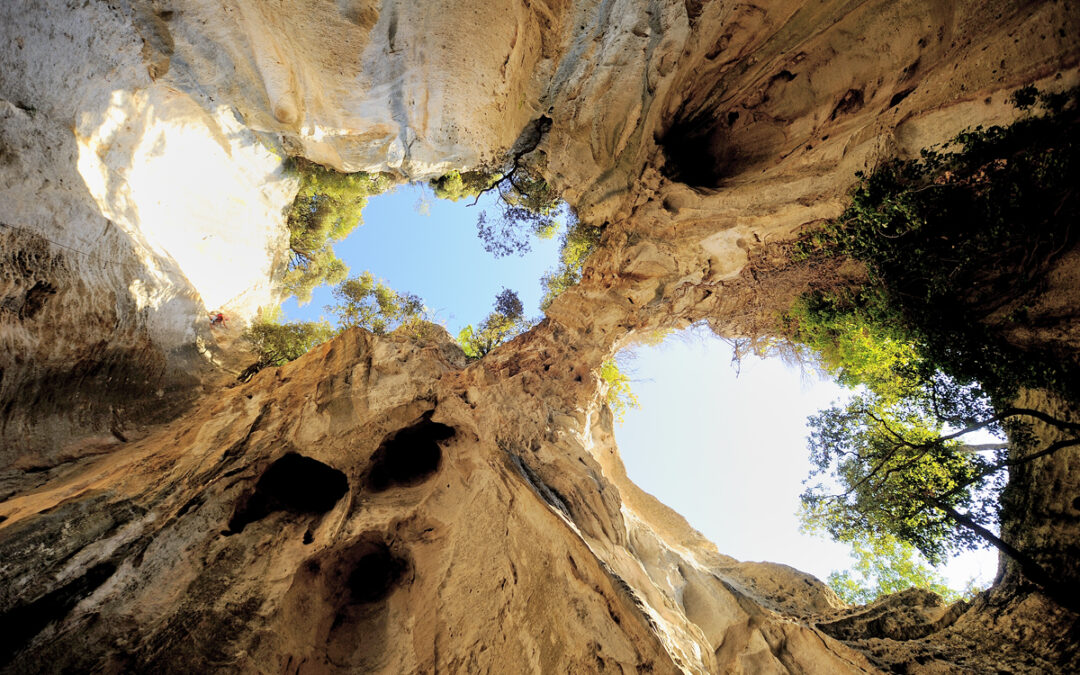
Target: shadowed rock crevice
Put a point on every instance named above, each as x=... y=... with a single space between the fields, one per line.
x=704 y=149
x=21 y=623
x=295 y=484
x=409 y=456
x=339 y=602
x=375 y=574
x=694 y=151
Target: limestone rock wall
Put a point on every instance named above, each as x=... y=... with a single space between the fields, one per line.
x=130 y=207
x=414 y=535
x=154 y=519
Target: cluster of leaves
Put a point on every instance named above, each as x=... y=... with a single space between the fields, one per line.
x=528 y=207
x=506 y=320
x=883 y=565
x=579 y=242
x=276 y=343
x=902 y=473
x=620 y=397
x=955 y=237
x=948 y=241
x=326 y=209
x=457 y=185
x=362 y=301
x=369 y=303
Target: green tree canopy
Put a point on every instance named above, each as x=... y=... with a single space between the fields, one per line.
x=456 y=185
x=528 y=207
x=884 y=565
x=504 y=322
x=896 y=470
x=950 y=241
x=954 y=242
x=579 y=242
x=620 y=397
x=368 y=303
x=327 y=208
x=276 y=343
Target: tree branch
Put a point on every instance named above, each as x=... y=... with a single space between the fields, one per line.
x=1031 y=569
x=495 y=184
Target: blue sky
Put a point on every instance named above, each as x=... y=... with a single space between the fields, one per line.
x=726 y=452
x=437 y=256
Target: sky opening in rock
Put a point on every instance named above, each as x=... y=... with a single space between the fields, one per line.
x=709 y=442
x=420 y=244
x=718 y=446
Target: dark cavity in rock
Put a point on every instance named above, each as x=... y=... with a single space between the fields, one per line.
x=21 y=623
x=35 y=299
x=408 y=456
x=375 y=574
x=295 y=484
x=850 y=102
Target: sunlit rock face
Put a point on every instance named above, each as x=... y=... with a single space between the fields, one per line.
x=375 y=507
x=380 y=505
x=130 y=209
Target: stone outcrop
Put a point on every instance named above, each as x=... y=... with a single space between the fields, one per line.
x=380 y=505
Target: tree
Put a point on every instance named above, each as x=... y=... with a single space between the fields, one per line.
x=579 y=242
x=903 y=470
x=953 y=244
x=327 y=208
x=620 y=397
x=884 y=565
x=371 y=304
x=504 y=322
x=276 y=343
x=527 y=205
x=456 y=185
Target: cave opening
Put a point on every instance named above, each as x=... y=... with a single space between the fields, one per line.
x=735 y=450
x=295 y=484
x=417 y=243
x=409 y=456
x=375 y=574
x=695 y=151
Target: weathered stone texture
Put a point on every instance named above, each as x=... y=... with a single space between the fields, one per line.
x=145 y=525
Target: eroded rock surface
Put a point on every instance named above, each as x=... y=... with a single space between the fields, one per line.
x=431 y=515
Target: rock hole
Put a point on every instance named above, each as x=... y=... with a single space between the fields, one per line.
x=391 y=33
x=409 y=456
x=35 y=299
x=693 y=9
x=900 y=96
x=308 y=537
x=909 y=70
x=295 y=484
x=693 y=152
x=1076 y=503
x=851 y=101
x=375 y=574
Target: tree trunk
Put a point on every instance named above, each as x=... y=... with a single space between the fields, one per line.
x=1031 y=569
